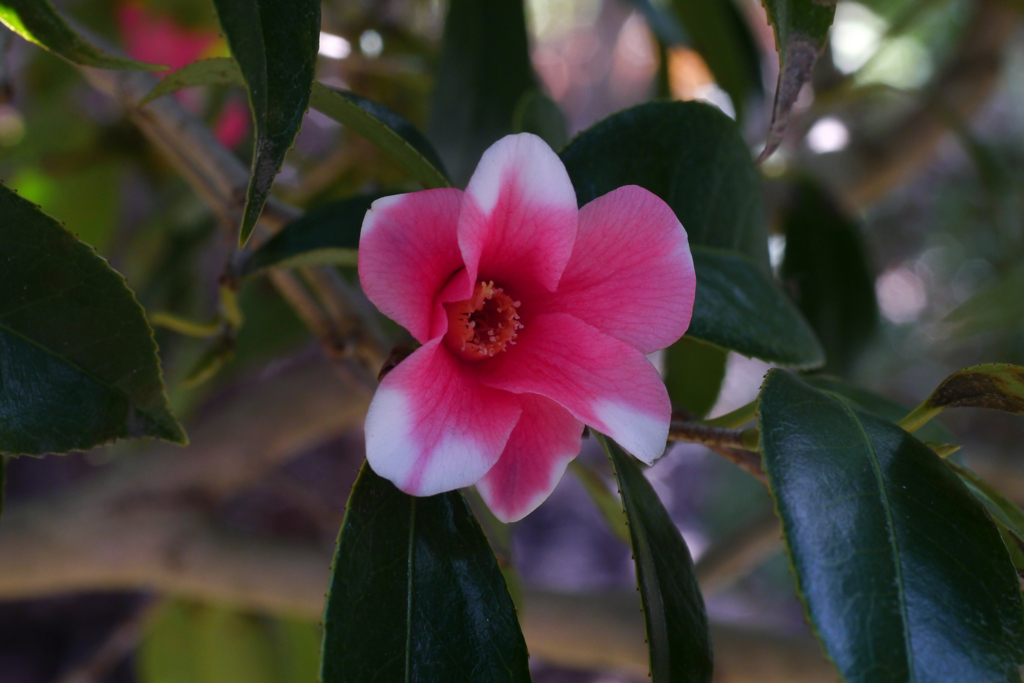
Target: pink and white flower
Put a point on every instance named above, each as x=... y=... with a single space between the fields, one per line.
x=534 y=317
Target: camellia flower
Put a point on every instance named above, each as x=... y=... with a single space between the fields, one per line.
x=534 y=317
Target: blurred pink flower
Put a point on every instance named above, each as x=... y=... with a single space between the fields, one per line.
x=534 y=318
x=232 y=126
x=161 y=40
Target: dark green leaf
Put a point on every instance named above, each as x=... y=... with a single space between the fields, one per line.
x=801 y=28
x=663 y=24
x=391 y=133
x=677 y=624
x=193 y=643
x=78 y=365
x=1003 y=510
x=996 y=386
x=539 y=114
x=416 y=594
x=37 y=21
x=395 y=136
x=826 y=270
x=723 y=38
x=693 y=374
x=688 y=153
x=3 y=482
x=217 y=71
x=485 y=70
x=329 y=234
x=903 y=575
x=862 y=399
x=275 y=43
x=739 y=307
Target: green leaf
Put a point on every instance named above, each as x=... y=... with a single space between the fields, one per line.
x=826 y=269
x=217 y=71
x=739 y=307
x=1003 y=510
x=607 y=503
x=275 y=43
x=674 y=614
x=801 y=29
x=38 y=22
x=78 y=364
x=484 y=71
x=688 y=153
x=395 y=136
x=996 y=308
x=329 y=234
x=391 y=133
x=903 y=575
x=193 y=643
x=865 y=400
x=539 y=114
x=996 y=386
x=723 y=38
x=693 y=374
x=416 y=594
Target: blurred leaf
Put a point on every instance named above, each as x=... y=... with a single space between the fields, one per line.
x=3 y=482
x=826 y=269
x=189 y=643
x=219 y=354
x=416 y=593
x=275 y=44
x=801 y=29
x=723 y=38
x=38 y=22
x=395 y=136
x=903 y=575
x=607 y=503
x=688 y=153
x=539 y=114
x=484 y=71
x=739 y=307
x=997 y=307
x=217 y=71
x=1001 y=508
x=995 y=386
x=693 y=374
x=329 y=234
x=865 y=400
x=390 y=132
x=77 y=358
x=662 y=23
x=674 y=614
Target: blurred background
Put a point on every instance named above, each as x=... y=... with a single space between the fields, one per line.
x=896 y=209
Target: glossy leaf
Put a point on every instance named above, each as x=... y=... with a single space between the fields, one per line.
x=674 y=614
x=801 y=29
x=391 y=133
x=395 y=136
x=275 y=44
x=688 y=153
x=693 y=374
x=996 y=386
x=720 y=34
x=78 y=364
x=1002 y=509
x=329 y=234
x=826 y=269
x=38 y=22
x=416 y=594
x=862 y=399
x=483 y=73
x=903 y=575
x=739 y=307
x=194 y=643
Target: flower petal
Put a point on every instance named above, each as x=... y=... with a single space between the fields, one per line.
x=518 y=220
x=408 y=250
x=602 y=381
x=631 y=272
x=541 y=446
x=432 y=427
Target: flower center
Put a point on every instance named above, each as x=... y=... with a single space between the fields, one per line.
x=483 y=325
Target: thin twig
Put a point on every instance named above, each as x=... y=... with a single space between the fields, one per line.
x=698 y=432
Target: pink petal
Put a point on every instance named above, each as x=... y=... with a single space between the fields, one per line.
x=541 y=446
x=408 y=250
x=602 y=381
x=432 y=427
x=631 y=273
x=518 y=220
